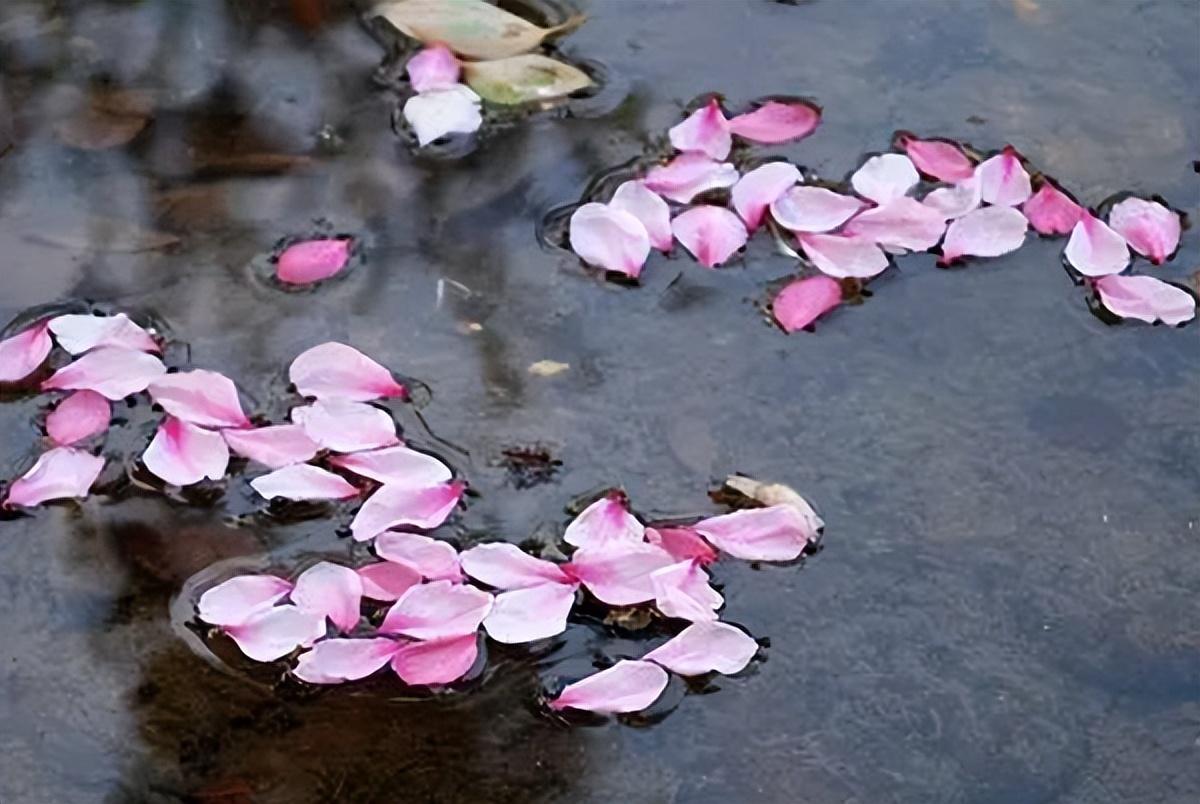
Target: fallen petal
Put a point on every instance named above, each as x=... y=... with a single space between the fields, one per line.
x=842 y=257
x=302 y=481
x=706 y=647
x=769 y=494
x=627 y=686
x=609 y=238
x=957 y=200
x=758 y=189
x=439 y=112
x=900 y=224
x=1094 y=249
x=1150 y=228
x=527 y=615
x=711 y=234
x=804 y=301
x=110 y=371
x=683 y=544
x=79 y=333
x=440 y=661
x=682 y=590
x=776 y=122
x=336 y=371
x=182 y=454
x=312 y=261
x=986 y=232
x=205 y=398
x=435 y=67
x=333 y=661
x=401 y=506
x=60 y=473
x=1003 y=180
x=330 y=590
x=386 y=580
x=81 y=415
x=885 y=177
x=619 y=574
x=777 y=533
x=235 y=600
x=276 y=446
x=1051 y=211
x=273 y=633
x=434 y=560
x=942 y=160
x=705 y=131
x=344 y=426
x=813 y=209
x=396 y=466
x=23 y=353
x=688 y=175
x=1146 y=299
x=437 y=610
x=648 y=207
x=605 y=521
x=506 y=566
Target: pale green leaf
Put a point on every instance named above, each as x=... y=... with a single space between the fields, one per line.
x=522 y=79
x=471 y=28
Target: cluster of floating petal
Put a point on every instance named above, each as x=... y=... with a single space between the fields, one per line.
x=441 y=105
x=421 y=607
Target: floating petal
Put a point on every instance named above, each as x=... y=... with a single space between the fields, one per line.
x=648 y=207
x=682 y=544
x=813 y=209
x=777 y=533
x=1146 y=299
x=605 y=521
x=276 y=446
x=345 y=426
x=711 y=234
x=986 y=232
x=527 y=615
x=609 y=238
x=182 y=454
x=110 y=371
x=302 y=481
x=885 y=177
x=843 y=257
x=758 y=189
x=336 y=371
x=333 y=661
x=439 y=661
x=433 y=559
x=682 y=590
x=1003 y=180
x=627 y=686
x=956 y=200
x=206 y=398
x=312 y=261
x=23 y=353
x=776 y=122
x=804 y=301
x=387 y=580
x=900 y=224
x=437 y=610
x=236 y=600
x=396 y=466
x=706 y=648
x=79 y=333
x=330 y=590
x=1150 y=228
x=1094 y=249
x=506 y=566
x=619 y=574
x=440 y=112
x=273 y=633
x=688 y=175
x=81 y=415
x=1051 y=211
x=944 y=161
x=435 y=67
x=60 y=473
x=705 y=131
x=401 y=506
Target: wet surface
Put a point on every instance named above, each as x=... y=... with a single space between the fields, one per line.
x=1006 y=608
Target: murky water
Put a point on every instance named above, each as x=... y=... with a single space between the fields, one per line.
x=1007 y=607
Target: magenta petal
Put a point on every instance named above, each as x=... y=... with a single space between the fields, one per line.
x=986 y=232
x=842 y=257
x=705 y=131
x=435 y=67
x=605 y=521
x=688 y=175
x=344 y=426
x=776 y=122
x=312 y=260
x=273 y=633
x=333 y=661
x=648 y=207
x=79 y=333
x=59 y=474
x=302 y=481
x=609 y=238
x=804 y=301
x=956 y=200
x=439 y=661
x=81 y=415
x=1003 y=180
x=530 y=614
x=330 y=590
x=110 y=371
x=757 y=190
x=24 y=352
x=437 y=610
x=619 y=574
x=182 y=454
x=401 y=506
x=706 y=647
x=777 y=533
x=813 y=209
x=682 y=590
x=682 y=544
x=276 y=446
x=899 y=224
x=1051 y=211
x=386 y=580
x=1149 y=227
x=944 y=161
x=234 y=601
x=206 y=398
x=396 y=466
x=433 y=559
x=336 y=371
x=711 y=234
x=627 y=686
x=1146 y=299
x=506 y=566
x=1094 y=249
x=885 y=177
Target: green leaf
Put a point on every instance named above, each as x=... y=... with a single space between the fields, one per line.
x=471 y=28
x=522 y=79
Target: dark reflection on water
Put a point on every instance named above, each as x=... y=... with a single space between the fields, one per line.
x=1006 y=608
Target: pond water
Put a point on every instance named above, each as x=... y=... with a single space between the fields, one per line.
x=1007 y=605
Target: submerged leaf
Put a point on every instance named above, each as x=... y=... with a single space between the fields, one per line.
x=471 y=28
x=522 y=79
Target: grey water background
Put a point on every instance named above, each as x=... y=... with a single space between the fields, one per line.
x=1007 y=607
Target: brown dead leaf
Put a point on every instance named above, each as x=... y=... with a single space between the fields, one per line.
x=105 y=118
x=1027 y=10
x=100 y=234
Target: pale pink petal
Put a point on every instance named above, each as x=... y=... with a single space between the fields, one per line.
x=403 y=506
x=705 y=131
x=437 y=610
x=688 y=175
x=1150 y=228
x=900 y=224
x=302 y=481
x=956 y=200
x=330 y=590
x=682 y=544
x=24 y=352
x=79 y=333
x=527 y=615
x=986 y=232
x=182 y=454
x=438 y=112
x=682 y=590
x=506 y=566
x=648 y=207
x=439 y=661
x=605 y=521
x=333 y=661
x=1146 y=299
x=842 y=257
x=942 y=160
x=885 y=177
x=273 y=633
x=1051 y=211
x=276 y=446
x=435 y=67
x=813 y=209
x=1094 y=249
x=206 y=398
x=344 y=426
x=708 y=647
x=336 y=371
x=804 y=301
x=387 y=580
x=1003 y=180
x=609 y=238
x=235 y=600
x=777 y=533
x=711 y=234
x=110 y=371
x=59 y=474
x=757 y=190
x=627 y=686
x=312 y=260
x=396 y=466
x=435 y=560
x=776 y=122
x=81 y=415
x=619 y=574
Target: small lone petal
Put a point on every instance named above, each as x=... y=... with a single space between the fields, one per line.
x=842 y=257
x=1003 y=180
x=387 y=580
x=302 y=481
x=78 y=333
x=813 y=209
x=942 y=160
x=333 y=661
x=804 y=301
x=336 y=371
x=1146 y=299
x=182 y=454
x=438 y=112
x=619 y=574
x=274 y=632
x=1051 y=211
x=1094 y=249
x=236 y=600
x=527 y=615
x=957 y=200
x=682 y=590
x=437 y=610
x=683 y=544
x=1149 y=227
x=110 y=371
x=330 y=590
x=434 y=560
x=688 y=175
x=627 y=686
x=986 y=232
x=777 y=533
x=885 y=177
x=344 y=426
x=705 y=131
x=435 y=67
x=23 y=353
x=396 y=466
x=276 y=446
x=605 y=521
x=206 y=398
x=711 y=234
x=610 y=238
x=401 y=506
x=440 y=661
x=312 y=261
x=81 y=415
x=776 y=122
x=899 y=224
x=59 y=474
x=648 y=207
x=506 y=566
x=757 y=190
x=706 y=648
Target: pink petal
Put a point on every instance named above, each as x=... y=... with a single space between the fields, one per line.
x=605 y=521
x=396 y=466
x=1094 y=249
x=527 y=615
x=386 y=580
x=706 y=648
x=110 y=371
x=302 y=481
x=330 y=590
x=942 y=160
x=312 y=260
x=650 y=210
x=804 y=301
x=438 y=112
x=506 y=566
x=206 y=398
x=813 y=209
x=705 y=131
x=842 y=257
x=627 y=686
x=438 y=661
x=182 y=454
x=775 y=122
x=333 y=661
x=688 y=175
x=433 y=559
x=437 y=610
x=60 y=473
x=777 y=533
x=1051 y=211
x=345 y=426
x=619 y=574
x=1003 y=180
x=682 y=544
x=24 y=352
x=435 y=67
x=903 y=223
x=1149 y=227
x=335 y=370
x=275 y=446
x=609 y=238
x=711 y=234
x=1146 y=299
x=758 y=189
x=957 y=200
x=682 y=590
x=273 y=633
x=885 y=177
x=80 y=333
x=401 y=506
x=234 y=601
x=986 y=232
x=81 y=415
